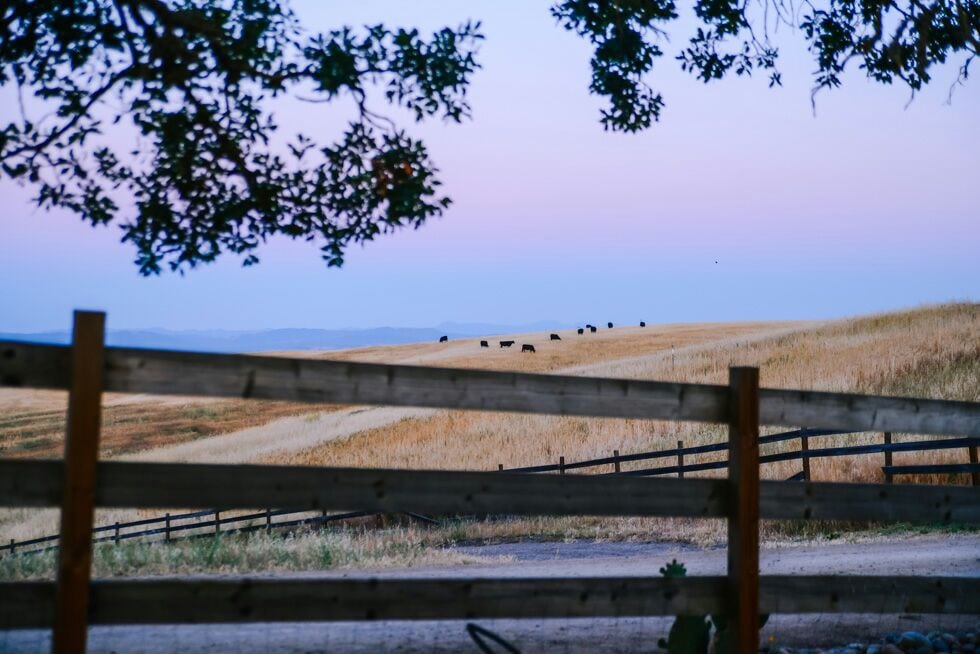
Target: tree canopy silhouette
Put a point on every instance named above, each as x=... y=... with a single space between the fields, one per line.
x=210 y=171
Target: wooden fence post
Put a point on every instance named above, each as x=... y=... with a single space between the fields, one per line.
x=217 y=522
x=680 y=460
x=268 y=521
x=78 y=499
x=743 y=520
x=805 y=448
x=500 y=467
x=975 y=475
x=166 y=528
x=616 y=461
x=561 y=465
x=12 y=547
x=115 y=538
x=888 y=456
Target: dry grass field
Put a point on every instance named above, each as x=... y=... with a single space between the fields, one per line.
x=927 y=352
x=931 y=352
x=32 y=423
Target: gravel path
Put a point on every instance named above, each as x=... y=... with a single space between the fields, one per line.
x=928 y=555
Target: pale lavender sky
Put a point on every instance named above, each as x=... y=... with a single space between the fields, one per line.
x=867 y=205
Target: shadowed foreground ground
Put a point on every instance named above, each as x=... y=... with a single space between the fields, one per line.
x=929 y=555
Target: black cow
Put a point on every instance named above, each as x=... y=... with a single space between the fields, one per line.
x=506 y=343
x=484 y=344
x=555 y=337
x=642 y=324
x=581 y=331
x=527 y=347
x=588 y=326
x=443 y=339
x=592 y=329
x=609 y=324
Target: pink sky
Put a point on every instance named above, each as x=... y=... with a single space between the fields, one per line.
x=865 y=206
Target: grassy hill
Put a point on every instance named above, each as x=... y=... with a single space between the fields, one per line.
x=927 y=352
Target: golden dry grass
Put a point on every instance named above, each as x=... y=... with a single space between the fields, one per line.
x=38 y=431
x=32 y=422
x=930 y=352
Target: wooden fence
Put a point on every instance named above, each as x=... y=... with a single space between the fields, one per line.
x=805 y=453
x=177 y=525
x=80 y=482
x=168 y=525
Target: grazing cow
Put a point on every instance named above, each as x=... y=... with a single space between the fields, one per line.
x=581 y=331
x=506 y=343
x=592 y=329
x=555 y=337
x=609 y=325
x=527 y=347
x=588 y=326
x=642 y=324
x=484 y=344
x=443 y=339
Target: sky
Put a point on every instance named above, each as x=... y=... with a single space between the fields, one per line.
x=744 y=202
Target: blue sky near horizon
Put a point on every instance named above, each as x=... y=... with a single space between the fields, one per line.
x=863 y=206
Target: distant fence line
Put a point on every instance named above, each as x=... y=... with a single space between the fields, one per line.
x=116 y=533
x=216 y=523
x=805 y=453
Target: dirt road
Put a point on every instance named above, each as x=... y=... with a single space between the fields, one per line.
x=929 y=555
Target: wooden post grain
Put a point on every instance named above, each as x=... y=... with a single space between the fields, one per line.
x=743 y=519
x=888 y=456
x=805 y=448
x=616 y=461
x=975 y=475
x=78 y=500
x=680 y=460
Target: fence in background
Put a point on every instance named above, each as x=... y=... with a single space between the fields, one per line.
x=181 y=524
x=81 y=482
x=804 y=454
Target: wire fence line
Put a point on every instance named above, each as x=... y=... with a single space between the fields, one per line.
x=174 y=525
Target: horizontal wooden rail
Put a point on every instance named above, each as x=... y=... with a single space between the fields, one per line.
x=166 y=601
x=440 y=492
x=306 y=380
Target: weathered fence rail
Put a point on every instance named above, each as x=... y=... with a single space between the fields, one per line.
x=129 y=370
x=79 y=483
x=150 y=601
x=236 y=486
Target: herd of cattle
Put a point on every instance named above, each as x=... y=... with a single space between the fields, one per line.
x=527 y=347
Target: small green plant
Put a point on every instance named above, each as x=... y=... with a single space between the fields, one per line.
x=692 y=634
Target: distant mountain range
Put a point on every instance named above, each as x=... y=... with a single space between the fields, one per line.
x=219 y=340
